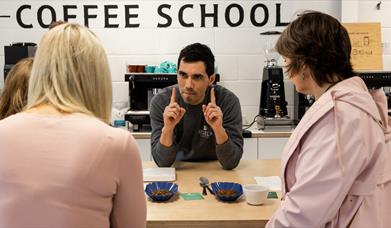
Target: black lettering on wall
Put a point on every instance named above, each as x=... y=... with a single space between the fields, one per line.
x=108 y=16
x=278 y=16
x=128 y=16
x=253 y=14
x=87 y=14
x=166 y=16
x=228 y=13
x=234 y=15
x=180 y=16
x=39 y=15
x=19 y=16
x=68 y=16
x=213 y=15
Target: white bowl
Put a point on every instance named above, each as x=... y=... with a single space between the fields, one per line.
x=255 y=194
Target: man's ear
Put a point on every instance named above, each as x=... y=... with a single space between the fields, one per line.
x=212 y=79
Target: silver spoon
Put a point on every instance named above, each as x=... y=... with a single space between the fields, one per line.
x=204 y=182
x=203 y=190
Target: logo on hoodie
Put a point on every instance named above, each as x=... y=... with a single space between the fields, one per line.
x=205 y=132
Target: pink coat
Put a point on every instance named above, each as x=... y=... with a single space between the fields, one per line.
x=336 y=166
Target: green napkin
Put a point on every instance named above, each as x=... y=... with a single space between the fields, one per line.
x=192 y=196
x=272 y=195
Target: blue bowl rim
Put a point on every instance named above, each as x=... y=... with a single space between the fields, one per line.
x=215 y=187
x=157 y=185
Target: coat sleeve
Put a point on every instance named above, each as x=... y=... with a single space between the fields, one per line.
x=331 y=155
x=129 y=203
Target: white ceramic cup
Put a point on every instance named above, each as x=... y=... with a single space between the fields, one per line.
x=255 y=194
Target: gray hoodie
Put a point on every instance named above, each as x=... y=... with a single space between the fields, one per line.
x=194 y=139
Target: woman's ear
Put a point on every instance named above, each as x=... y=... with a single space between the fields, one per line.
x=306 y=70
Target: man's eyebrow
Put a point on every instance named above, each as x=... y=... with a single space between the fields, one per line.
x=198 y=75
x=182 y=72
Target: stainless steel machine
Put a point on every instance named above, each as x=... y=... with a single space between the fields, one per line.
x=373 y=80
x=376 y=80
x=142 y=87
x=273 y=114
x=273 y=111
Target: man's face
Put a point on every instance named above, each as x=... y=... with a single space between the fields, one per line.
x=193 y=81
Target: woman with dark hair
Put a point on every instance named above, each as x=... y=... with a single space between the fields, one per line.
x=333 y=169
x=14 y=95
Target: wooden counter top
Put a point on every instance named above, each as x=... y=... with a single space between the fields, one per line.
x=255 y=134
x=210 y=212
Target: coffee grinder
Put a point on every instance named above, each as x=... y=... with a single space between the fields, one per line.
x=273 y=106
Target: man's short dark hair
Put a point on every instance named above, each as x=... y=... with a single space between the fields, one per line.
x=198 y=52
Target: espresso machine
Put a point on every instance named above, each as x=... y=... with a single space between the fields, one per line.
x=273 y=113
x=304 y=103
x=15 y=52
x=377 y=80
x=142 y=87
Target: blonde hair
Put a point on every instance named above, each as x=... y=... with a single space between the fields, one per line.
x=55 y=23
x=71 y=73
x=14 y=95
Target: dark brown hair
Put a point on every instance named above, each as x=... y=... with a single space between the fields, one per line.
x=321 y=43
x=14 y=95
x=198 y=52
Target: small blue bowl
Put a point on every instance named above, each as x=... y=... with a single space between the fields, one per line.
x=161 y=191
x=227 y=191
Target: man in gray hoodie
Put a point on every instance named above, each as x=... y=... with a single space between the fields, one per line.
x=196 y=120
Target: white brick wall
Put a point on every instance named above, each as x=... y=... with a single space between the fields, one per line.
x=238 y=50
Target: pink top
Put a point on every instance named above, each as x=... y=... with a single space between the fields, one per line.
x=68 y=171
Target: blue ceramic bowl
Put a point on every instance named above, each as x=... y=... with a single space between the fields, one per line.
x=227 y=191
x=161 y=191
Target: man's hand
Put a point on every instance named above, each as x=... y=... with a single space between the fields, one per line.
x=214 y=117
x=173 y=113
x=212 y=113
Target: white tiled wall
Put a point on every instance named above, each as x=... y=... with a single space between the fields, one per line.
x=238 y=50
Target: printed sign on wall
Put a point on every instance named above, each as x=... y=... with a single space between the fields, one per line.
x=128 y=15
x=366 y=45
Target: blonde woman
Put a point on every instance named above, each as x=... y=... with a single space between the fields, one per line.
x=61 y=164
x=14 y=95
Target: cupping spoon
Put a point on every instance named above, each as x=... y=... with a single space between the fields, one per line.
x=204 y=182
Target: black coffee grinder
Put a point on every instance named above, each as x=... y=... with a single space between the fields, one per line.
x=273 y=106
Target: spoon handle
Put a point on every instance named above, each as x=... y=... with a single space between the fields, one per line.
x=204 y=191
x=210 y=190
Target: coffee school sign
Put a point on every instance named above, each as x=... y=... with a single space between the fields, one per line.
x=127 y=16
